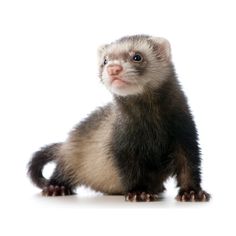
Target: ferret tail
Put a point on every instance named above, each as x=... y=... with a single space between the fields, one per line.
x=38 y=161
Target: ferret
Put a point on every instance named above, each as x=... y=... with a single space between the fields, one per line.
x=132 y=145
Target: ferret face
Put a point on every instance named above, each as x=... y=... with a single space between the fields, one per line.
x=131 y=65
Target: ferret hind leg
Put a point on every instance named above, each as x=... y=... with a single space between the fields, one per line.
x=59 y=184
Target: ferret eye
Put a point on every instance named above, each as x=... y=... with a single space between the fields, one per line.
x=105 y=62
x=137 y=57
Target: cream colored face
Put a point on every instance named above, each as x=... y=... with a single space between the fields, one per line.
x=133 y=64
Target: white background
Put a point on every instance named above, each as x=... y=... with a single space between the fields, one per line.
x=49 y=82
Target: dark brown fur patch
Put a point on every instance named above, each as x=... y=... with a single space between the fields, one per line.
x=184 y=171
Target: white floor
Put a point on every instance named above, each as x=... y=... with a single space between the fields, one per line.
x=48 y=83
x=90 y=213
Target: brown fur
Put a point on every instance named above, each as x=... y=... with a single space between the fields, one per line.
x=184 y=174
x=88 y=158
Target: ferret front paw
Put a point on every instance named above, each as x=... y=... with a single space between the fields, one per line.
x=141 y=197
x=193 y=196
x=55 y=190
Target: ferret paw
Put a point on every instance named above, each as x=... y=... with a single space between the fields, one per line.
x=141 y=197
x=193 y=196
x=55 y=190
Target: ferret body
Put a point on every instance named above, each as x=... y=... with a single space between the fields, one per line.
x=132 y=145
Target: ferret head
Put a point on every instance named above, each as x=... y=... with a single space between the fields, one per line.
x=131 y=65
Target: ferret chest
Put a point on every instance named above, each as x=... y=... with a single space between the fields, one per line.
x=142 y=138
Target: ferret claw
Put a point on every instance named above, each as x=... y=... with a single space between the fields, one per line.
x=141 y=197
x=193 y=196
x=51 y=191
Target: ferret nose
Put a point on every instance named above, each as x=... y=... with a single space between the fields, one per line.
x=114 y=69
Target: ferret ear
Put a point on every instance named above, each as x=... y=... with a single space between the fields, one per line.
x=162 y=47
